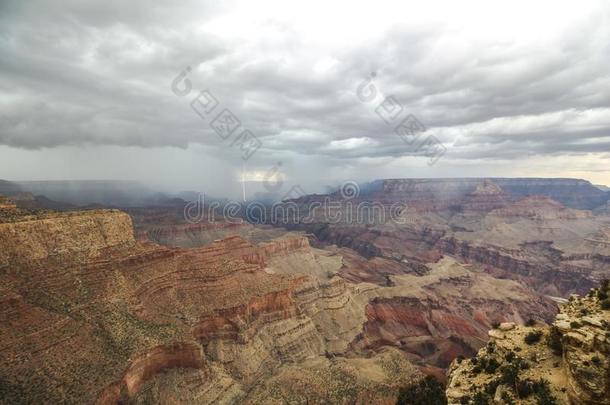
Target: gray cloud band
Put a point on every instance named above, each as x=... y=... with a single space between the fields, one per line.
x=409 y=128
x=224 y=123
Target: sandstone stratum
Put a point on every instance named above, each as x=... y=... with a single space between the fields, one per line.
x=90 y=314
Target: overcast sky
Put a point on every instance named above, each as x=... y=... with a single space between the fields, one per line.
x=518 y=88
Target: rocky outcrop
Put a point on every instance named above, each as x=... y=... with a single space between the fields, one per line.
x=584 y=326
x=565 y=363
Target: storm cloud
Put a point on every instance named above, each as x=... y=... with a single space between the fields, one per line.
x=516 y=82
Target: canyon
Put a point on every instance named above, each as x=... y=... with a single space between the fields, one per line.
x=140 y=305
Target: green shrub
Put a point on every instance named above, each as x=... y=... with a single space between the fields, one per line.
x=491 y=365
x=542 y=391
x=482 y=398
x=605 y=304
x=465 y=400
x=491 y=387
x=533 y=337
x=525 y=388
x=427 y=392
x=510 y=375
x=553 y=341
x=574 y=324
x=508 y=400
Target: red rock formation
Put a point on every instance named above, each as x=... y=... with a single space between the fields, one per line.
x=438 y=331
x=149 y=364
x=228 y=323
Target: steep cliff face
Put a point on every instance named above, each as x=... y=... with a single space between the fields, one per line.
x=76 y=234
x=566 y=363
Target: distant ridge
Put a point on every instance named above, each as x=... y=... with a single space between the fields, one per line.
x=573 y=193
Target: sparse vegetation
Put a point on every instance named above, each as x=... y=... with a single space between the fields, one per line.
x=553 y=341
x=533 y=337
x=542 y=391
x=508 y=400
x=510 y=375
x=530 y=322
x=482 y=398
x=491 y=366
x=427 y=392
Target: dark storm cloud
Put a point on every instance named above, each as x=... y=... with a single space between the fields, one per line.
x=99 y=73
